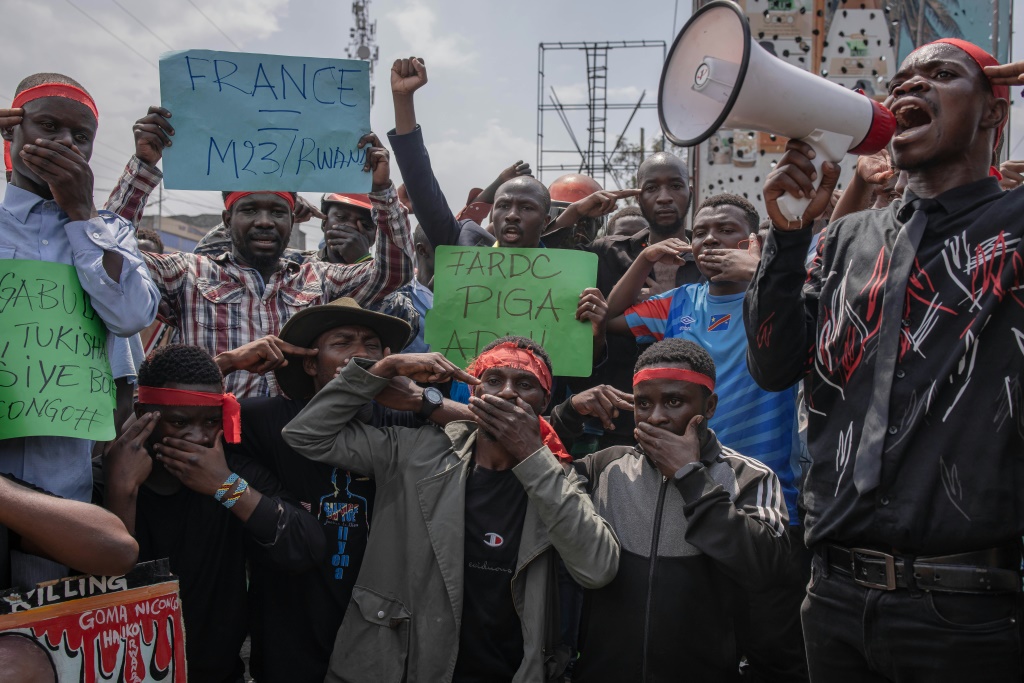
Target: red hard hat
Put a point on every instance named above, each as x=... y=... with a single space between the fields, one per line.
x=360 y=201
x=573 y=187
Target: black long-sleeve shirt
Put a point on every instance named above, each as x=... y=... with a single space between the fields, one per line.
x=206 y=547
x=295 y=611
x=432 y=210
x=953 y=459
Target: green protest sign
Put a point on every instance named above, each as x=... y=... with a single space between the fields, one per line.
x=483 y=293
x=54 y=373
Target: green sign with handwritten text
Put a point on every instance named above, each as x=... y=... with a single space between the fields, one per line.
x=55 y=376
x=483 y=293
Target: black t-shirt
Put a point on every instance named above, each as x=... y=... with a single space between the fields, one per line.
x=491 y=640
x=294 y=617
x=204 y=543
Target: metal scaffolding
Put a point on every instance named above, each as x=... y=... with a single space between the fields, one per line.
x=593 y=156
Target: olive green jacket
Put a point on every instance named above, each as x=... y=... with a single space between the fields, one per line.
x=406 y=611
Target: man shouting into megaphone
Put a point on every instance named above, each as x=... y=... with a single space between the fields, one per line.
x=909 y=330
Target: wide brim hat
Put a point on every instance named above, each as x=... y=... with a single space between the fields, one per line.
x=306 y=326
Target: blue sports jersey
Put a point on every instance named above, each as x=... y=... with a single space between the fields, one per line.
x=757 y=423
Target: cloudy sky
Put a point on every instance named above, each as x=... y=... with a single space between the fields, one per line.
x=479 y=111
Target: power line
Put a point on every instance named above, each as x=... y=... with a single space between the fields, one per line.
x=114 y=149
x=104 y=178
x=99 y=163
x=207 y=207
x=237 y=46
x=143 y=24
x=106 y=158
x=136 y=52
x=210 y=207
x=103 y=181
x=112 y=34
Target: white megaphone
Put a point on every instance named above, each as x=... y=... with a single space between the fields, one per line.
x=716 y=76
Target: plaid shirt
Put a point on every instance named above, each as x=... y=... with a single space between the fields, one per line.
x=219 y=305
x=137 y=181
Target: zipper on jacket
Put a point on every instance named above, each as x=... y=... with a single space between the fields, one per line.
x=655 y=537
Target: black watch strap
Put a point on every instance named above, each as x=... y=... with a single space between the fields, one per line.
x=432 y=400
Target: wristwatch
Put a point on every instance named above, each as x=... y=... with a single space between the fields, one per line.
x=687 y=468
x=432 y=400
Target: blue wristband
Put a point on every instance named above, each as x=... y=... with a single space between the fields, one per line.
x=239 y=490
x=225 y=487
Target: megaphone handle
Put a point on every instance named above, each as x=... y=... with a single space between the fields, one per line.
x=827 y=146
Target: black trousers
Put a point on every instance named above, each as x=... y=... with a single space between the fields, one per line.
x=865 y=635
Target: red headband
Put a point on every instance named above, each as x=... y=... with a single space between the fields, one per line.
x=232 y=412
x=550 y=439
x=55 y=90
x=982 y=59
x=674 y=373
x=508 y=355
x=235 y=196
x=48 y=90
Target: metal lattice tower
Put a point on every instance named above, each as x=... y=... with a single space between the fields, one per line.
x=597 y=95
x=592 y=157
x=363 y=39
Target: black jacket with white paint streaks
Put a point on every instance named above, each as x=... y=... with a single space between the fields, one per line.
x=953 y=460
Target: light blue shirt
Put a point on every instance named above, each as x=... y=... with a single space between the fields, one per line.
x=32 y=228
x=126 y=356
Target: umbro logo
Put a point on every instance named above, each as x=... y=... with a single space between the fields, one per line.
x=493 y=540
x=687 y=322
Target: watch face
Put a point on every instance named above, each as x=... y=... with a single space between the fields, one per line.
x=433 y=395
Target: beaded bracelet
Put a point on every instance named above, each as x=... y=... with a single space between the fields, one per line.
x=233 y=498
x=219 y=496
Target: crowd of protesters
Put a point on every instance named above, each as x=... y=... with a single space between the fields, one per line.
x=362 y=509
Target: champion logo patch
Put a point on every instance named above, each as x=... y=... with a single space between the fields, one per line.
x=719 y=323
x=493 y=540
x=686 y=322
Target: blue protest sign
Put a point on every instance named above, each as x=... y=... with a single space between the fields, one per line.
x=265 y=122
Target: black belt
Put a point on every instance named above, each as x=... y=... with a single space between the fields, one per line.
x=996 y=570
